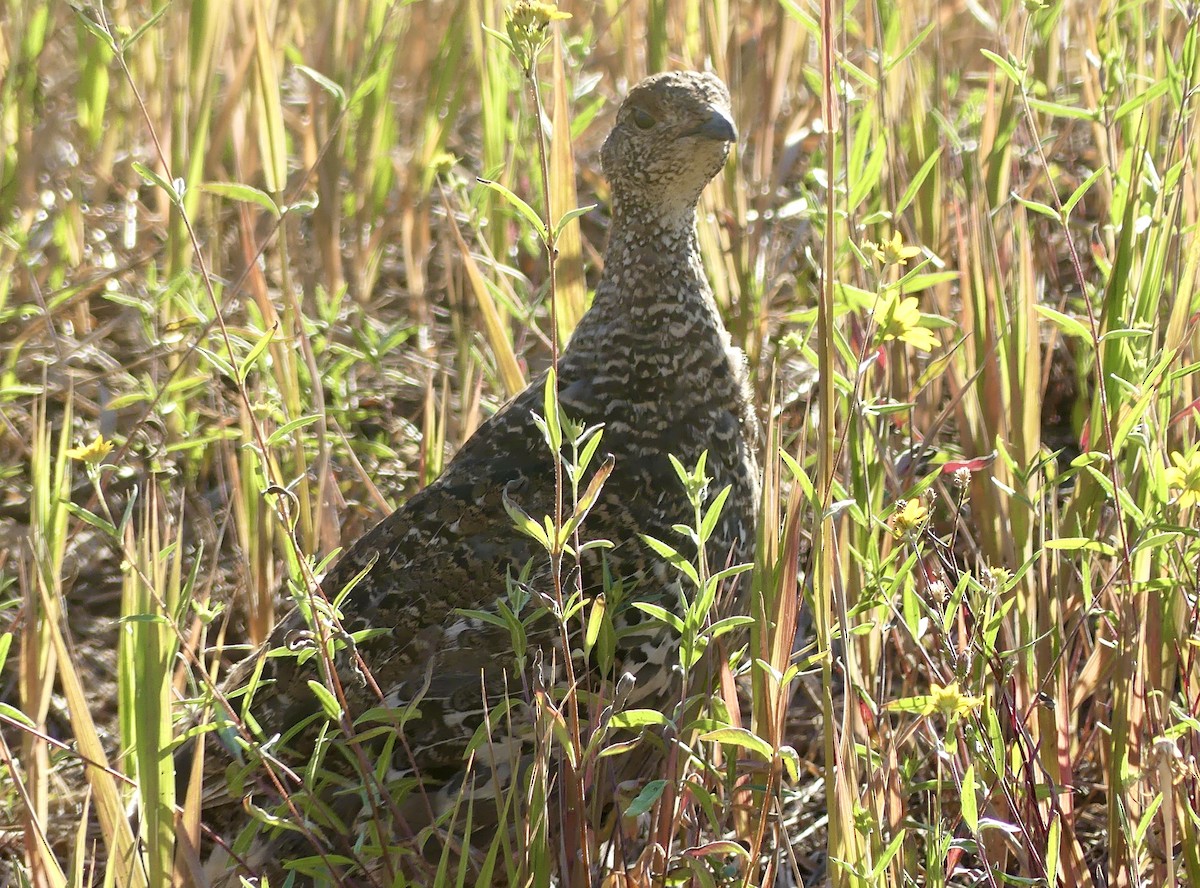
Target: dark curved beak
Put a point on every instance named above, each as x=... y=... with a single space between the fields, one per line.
x=717 y=127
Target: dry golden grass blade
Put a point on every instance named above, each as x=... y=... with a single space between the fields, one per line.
x=187 y=824
x=50 y=485
x=44 y=868
x=272 y=140
x=570 y=284
x=124 y=859
x=495 y=330
x=147 y=653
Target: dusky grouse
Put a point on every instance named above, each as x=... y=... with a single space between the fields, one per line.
x=651 y=362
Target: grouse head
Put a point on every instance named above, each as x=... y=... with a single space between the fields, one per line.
x=670 y=138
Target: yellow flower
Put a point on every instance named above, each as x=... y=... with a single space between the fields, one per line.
x=1184 y=476
x=92 y=454
x=526 y=23
x=950 y=701
x=899 y=318
x=530 y=14
x=895 y=251
x=907 y=517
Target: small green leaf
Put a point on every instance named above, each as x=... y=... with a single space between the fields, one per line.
x=1035 y=206
x=1069 y=325
x=368 y=86
x=569 y=216
x=1004 y=65
x=528 y=212
x=719 y=628
x=1069 y=112
x=1087 y=544
x=742 y=738
x=668 y=554
x=638 y=718
x=93 y=519
x=288 y=427
x=145 y=26
x=646 y=798
x=243 y=193
x=256 y=352
x=918 y=180
x=722 y=847
x=1078 y=193
x=523 y=522
x=328 y=702
x=594 y=623
x=713 y=514
x=96 y=30
x=661 y=614
x=550 y=406
x=325 y=83
x=155 y=179
x=11 y=712
x=1141 y=99
x=969 y=804
x=889 y=853
x=791 y=761
x=1053 y=849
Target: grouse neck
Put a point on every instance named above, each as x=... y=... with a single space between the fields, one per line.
x=638 y=230
x=654 y=258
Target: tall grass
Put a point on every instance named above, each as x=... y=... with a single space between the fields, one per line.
x=245 y=242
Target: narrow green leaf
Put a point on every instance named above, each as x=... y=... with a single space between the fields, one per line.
x=646 y=798
x=1069 y=325
x=550 y=406
x=1037 y=207
x=523 y=522
x=155 y=179
x=591 y=493
x=243 y=193
x=889 y=853
x=1053 y=849
x=325 y=83
x=969 y=804
x=913 y=45
x=668 y=554
x=595 y=622
x=918 y=180
x=1073 y=544
x=94 y=520
x=713 y=514
x=570 y=216
x=1078 y=193
x=742 y=738
x=1004 y=65
x=661 y=614
x=529 y=213
x=1070 y=112
x=14 y=714
x=328 y=702
x=145 y=26
x=288 y=427
x=638 y=718
x=95 y=29
x=1141 y=99
x=259 y=347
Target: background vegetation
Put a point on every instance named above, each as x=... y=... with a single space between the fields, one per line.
x=244 y=243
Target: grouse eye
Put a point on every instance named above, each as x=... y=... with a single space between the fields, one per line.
x=643 y=118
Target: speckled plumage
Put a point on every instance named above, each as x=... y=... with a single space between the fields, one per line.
x=652 y=362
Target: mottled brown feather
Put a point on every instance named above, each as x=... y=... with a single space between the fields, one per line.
x=652 y=362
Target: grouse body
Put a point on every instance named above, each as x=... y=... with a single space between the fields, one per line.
x=650 y=362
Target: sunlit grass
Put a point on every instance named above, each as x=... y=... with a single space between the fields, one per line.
x=247 y=245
